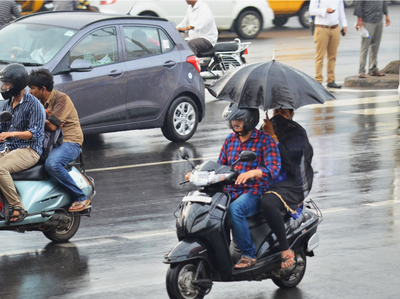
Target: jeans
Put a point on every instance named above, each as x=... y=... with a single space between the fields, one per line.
x=245 y=205
x=55 y=164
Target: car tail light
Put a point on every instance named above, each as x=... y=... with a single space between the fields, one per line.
x=105 y=2
x=195 y=61
x=246 y=52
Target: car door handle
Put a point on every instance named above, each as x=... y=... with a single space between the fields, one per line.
x=169 y=64
x=115 y=73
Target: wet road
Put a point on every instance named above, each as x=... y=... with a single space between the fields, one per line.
x=118 y=250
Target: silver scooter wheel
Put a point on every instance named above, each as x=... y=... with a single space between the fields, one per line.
x=179 y=281
x=293 y=277
x=64 y=233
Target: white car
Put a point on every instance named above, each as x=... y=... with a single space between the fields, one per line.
x=246 y=17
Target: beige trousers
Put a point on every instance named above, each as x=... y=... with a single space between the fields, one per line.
x=326 y=41
x=15 y=161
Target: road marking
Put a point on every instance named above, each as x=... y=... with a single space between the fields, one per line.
x=19 y=252
x=374 y=111
x=334 y=210
x=147 y=164
x=355 y=101
x=382 y=203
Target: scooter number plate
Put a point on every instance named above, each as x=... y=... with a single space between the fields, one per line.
x=192 y=198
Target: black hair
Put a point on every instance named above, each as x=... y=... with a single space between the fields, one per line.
x=41 y=77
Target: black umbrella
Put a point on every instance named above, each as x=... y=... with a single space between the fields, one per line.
x=269 y=85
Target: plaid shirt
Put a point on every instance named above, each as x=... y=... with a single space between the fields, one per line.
x=268 y=161
x=28 y=115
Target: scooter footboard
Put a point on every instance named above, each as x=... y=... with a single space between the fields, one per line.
x=189 y=249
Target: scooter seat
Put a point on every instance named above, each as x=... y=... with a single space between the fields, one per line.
x=35 y=173
x=220 y=47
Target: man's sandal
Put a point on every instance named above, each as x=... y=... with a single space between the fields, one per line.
x=245 y=262
x=79 y=206
x=288 y=260
x=376 y=73
x=20 y=217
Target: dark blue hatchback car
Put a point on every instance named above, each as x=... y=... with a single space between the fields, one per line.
x=121 y=72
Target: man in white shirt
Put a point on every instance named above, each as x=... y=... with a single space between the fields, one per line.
x=328 y=14
x=200 y=23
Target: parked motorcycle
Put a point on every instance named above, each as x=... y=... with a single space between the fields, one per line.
x=46 y=201
x=205 y=252
x=221 y=58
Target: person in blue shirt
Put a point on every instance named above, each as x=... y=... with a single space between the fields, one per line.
x=21 y=139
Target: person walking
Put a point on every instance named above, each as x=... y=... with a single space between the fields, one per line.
x=328 y=14
x=370 y=16
x=8 y=11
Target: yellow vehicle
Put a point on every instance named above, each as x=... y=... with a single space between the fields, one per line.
x=31 y=6
x=284 y=9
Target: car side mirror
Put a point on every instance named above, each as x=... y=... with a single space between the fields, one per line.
x=81 y=65
x=5 y=116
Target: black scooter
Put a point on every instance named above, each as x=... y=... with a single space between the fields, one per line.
x=206 y=253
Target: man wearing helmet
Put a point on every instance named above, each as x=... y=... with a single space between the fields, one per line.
x=246 y=194
x=22 y=137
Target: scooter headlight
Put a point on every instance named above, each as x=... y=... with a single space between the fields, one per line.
x=205 y=178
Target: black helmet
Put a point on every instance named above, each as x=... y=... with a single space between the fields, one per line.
x=17 y=75
x=251 y=116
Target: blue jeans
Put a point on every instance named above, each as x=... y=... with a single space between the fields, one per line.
x=55 y=164
x=245 y=205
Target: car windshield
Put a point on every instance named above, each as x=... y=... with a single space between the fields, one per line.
x=32 y=44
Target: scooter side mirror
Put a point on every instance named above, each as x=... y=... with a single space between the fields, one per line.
x=5 y=116
x=184 y=153
x=247 y=156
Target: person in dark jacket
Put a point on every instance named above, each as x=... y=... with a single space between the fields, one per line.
x=294 y=180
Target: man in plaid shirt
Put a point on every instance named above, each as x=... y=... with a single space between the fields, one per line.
x=246 y=195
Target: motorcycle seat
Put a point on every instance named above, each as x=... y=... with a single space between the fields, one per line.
x=220 y=47
x=258 y=219
x=35 y=173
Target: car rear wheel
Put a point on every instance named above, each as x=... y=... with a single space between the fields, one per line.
x=280 y=21
x=181 y=120
x=248 y=24
x=304 y=16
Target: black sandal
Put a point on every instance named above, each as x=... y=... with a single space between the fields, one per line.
x=20 y=217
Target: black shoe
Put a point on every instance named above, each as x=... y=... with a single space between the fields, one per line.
x=333 y=85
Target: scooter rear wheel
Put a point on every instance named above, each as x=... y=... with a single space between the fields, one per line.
x=293 y=278
x=63 y=234
x=179 y=281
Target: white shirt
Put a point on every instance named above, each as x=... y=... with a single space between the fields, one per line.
x=318 y=9
x=40 y=57
x=202 y=19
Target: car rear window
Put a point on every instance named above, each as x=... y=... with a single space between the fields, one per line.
x=146 y=41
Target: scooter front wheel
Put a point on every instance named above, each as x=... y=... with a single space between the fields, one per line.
x=180 y=279
x=294 y=277
x=64 y=232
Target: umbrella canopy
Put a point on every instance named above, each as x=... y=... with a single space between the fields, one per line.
x=269 y=85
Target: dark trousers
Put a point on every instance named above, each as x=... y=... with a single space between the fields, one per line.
x=198 y=45
x=272 y=207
